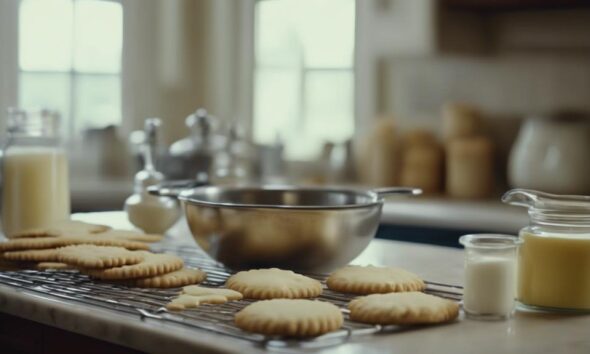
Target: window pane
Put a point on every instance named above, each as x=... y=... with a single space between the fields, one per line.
x=46 y=90
x=305 y=32
x=276 y=104
x=98 y=36
x=97 y=101
x=276 y=41
x=45 y=35
x=310 y=42
x=327 y=30
x=329 y=105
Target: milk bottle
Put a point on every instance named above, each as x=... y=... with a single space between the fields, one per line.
x=34 y=172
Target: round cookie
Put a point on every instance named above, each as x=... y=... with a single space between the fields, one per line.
x=290 y=317
x=31 y=243
x=152 y=264
x=92 y=256
x=181 y=277
x=42 y=255
x=402 y=308
x=273 y=283
x=62 y=228
x=372 y=280
x=131 y=235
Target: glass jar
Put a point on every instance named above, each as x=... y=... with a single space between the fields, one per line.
x=490 y=275
x=554 y=258
x=34 y=172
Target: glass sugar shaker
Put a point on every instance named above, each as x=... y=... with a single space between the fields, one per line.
x=152 y=214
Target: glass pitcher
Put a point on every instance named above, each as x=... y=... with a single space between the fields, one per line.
x=33 y=172
x=554 y=258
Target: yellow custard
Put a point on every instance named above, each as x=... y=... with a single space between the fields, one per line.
x=554 y=270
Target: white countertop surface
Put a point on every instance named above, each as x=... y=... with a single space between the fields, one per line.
x=527 y=332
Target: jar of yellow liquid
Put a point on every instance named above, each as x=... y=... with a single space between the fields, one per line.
x=554 y=258
x=33 y=172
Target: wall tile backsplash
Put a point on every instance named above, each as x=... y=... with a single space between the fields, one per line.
x=503 y=85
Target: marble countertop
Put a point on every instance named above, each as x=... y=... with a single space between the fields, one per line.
x=527 y=332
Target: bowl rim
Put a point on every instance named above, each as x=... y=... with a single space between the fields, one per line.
x=188 y=196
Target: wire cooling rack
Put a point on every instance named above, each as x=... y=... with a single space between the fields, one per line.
x=148 y=304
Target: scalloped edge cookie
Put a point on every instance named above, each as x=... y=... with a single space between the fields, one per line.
x=273 y=283
x=290 y=317
x=372 y=280
x=153 y=264
x=403 y=308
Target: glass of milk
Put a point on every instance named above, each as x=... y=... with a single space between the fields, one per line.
x=33 y=172
x=490 y=276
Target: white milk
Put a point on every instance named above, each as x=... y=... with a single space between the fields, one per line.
x=35 y=188
x=490 y=285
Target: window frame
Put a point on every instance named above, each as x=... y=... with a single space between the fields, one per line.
x=73 y=75
x=249 y=29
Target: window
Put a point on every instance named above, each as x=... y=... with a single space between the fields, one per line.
x=70 y=60
x=303 y=77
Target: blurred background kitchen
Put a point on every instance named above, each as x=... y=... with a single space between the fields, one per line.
x=462 y=98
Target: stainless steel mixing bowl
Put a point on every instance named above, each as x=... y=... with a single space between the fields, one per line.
x=300 y=228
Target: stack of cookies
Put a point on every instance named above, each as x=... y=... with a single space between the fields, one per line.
x=100 y=252
x=284 y=299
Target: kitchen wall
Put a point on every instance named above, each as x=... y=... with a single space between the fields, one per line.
x=503 y=86
x=511 y=64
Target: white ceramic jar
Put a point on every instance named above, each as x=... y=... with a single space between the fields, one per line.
x=552 y=155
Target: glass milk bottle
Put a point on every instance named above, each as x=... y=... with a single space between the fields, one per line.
x=490 y=275
x=554 y=258
x=34 y=172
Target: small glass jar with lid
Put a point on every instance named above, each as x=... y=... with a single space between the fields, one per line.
x=34 y=172
x=554 y=258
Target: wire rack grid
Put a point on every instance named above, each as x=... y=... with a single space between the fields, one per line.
x=149 y=304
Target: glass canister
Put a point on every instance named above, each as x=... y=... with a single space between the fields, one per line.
x=34 y=172
x=554 y=258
